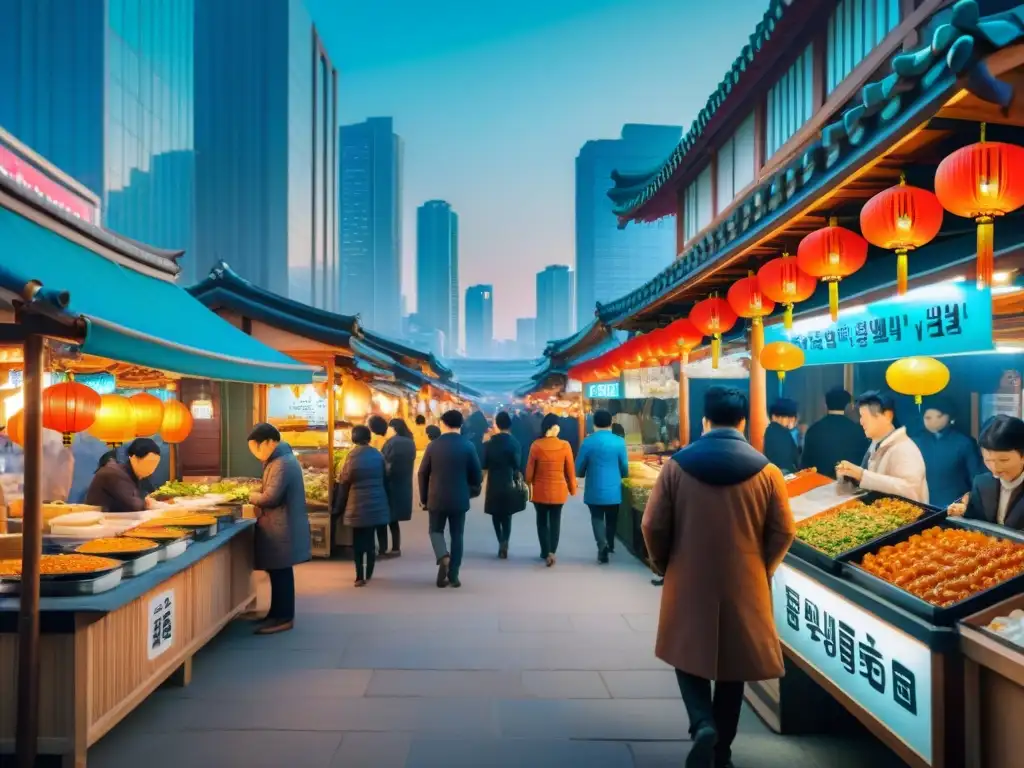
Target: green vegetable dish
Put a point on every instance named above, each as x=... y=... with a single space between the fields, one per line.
x=854 y=523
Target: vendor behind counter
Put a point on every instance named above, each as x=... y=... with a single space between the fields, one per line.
x=117 y=486
x=998 y=496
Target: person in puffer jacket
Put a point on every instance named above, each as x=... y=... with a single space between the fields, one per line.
x=362 y=499
x=603 y=462
x=551 y=474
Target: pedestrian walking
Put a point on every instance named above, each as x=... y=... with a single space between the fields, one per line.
x=362 y=500
x=399 y=460
x=551 y=474
x=282 y=526
x=603 y=463
x=449 y=477
x=419 y=433
x=718 y=524
x=505 y=485
x=378 y=431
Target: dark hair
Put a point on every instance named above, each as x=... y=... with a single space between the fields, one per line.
x=549 y=421
x=837 y=398
x=877 y=402
x=377 y=424
x=602 y=419
x=725 y=406
x=940 y=404
x=1003 y=433
x=452 y=419
x=784 y=407
x=618 y=429
x=141 y=447
x=400 y=427
x=106 y=458
x=503 y=421
x=421 y=419
x=433 y=432
x=361 y=435
x=263 y=432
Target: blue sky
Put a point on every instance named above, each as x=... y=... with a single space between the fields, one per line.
x=494 y=105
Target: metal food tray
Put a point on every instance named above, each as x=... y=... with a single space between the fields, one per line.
x=79 y=584
x=834 y=565
x=172 y=549
x=135 y=563
x=935 y=614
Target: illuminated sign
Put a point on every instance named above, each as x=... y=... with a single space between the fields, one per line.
x=202 y=409
x=603 y=390
x=21 y=171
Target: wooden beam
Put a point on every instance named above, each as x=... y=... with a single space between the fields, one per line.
x=329 y=366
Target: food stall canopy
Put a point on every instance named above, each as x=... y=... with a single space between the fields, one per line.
x=380 y=374
x=131 y=316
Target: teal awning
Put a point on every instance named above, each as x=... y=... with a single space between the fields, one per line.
x=132 y=317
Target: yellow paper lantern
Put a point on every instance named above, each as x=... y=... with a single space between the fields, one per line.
x=149 y=414
x=177 y=422
x=357 y=400
x=781 y=356
x=917 y=376
x=115 y=420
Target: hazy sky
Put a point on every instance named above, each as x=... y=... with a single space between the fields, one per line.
x=494 y=105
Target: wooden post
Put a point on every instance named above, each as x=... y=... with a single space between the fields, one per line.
x=684 y=400
x=848 y=383
x=758 y=403
x=172 y=462
x=583 y=416
x=330 y=434
x=27 y=729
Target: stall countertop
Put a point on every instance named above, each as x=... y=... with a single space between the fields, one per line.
x=129 y=589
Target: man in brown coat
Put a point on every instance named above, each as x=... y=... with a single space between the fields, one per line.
x=717 y=525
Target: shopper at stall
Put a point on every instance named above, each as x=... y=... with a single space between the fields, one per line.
x=117 y=487
x=551 y=474
x=998 y=497
x=718 y=524
x=951 y=458
x=378 y=431
x=361 y=498
x=835 y=438
x=893 y=463
x=282 y=525
x=399 y=459
x=419 y=433
x=449 y=477
x=505 y=484
x=603 y=463
x=780 y=447
x=433 y=432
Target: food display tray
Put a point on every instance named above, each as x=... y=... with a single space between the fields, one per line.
x=834 y=565
x=172 y=549
x=68 y=585
x=922 y=608
x=135 y=563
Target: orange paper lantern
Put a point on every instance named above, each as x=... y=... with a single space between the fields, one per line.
x=980 y=182
x=748 y=300
x=684 y=336
x=781 y=357
x=69 y=407
x=830 y=254
x=149 y=414
x=16 y=428
x=713 y=317
x=783 y=282
x=115 y=420
x=176 y=423
x=901 y=219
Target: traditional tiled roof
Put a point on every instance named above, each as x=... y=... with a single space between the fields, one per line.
x=919 y=81
x=579 y=343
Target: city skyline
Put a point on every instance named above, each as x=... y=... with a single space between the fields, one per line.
x=437 y=269
x=480 y=321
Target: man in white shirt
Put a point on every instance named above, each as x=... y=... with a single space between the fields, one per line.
x=998 y=497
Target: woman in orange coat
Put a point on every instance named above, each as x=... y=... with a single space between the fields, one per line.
x=551 y=474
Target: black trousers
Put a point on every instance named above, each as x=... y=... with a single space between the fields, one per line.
x=363 y=552
x=605 y=520
x=502 y=527
x=721 y=710
x=282 y=594
x=549 y=526
x=382 y=537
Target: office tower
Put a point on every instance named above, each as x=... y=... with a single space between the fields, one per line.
x=479 y=321
x=437 y=271
x=371 y=224
x=554 y=305
x=611 y=262
x=104 y=91
x=526 y=336
x=266 y=135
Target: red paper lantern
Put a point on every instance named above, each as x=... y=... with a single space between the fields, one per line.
x=149 y=414
x=684 y=336
x=177 y=422
x=980 y=182
x=713 y=317
x=830 y=254
x=69 y=407
x=748 y=300
x=783 y=282
x=900 y=219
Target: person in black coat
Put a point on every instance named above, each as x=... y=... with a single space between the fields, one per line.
x=475 y=429
x=998 y=497
x=780 y=447
x=362 y=499
x=569 y=430
x=399 y=459
x=503 y=464
x=835 y=438
x=951 y=458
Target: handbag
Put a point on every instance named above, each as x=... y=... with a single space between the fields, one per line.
x=520 y=494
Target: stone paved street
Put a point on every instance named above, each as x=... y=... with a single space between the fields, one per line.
x=523 y=666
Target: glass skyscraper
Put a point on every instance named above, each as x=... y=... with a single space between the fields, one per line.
x=554 y=305
x=437 y=271
x=611 y=262
x=103 y=89
x=480 y=321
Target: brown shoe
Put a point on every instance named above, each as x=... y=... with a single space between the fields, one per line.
x=274 y=628
x=550 y=560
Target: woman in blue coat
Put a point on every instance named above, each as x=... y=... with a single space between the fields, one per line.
x=362 y=499
x=603 y=462
x=951 y=458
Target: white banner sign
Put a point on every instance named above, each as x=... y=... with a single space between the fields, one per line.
x=160 y=624
x=885 y=671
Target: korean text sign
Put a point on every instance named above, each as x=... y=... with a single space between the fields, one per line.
x=944 y=319
x=886 y=672
x=603 y=390
x=160 y=624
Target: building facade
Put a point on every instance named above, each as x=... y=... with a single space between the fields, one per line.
x=266 y=133
x=555 y=305
x=103 y=89
x=480 y=321
x=611 y=261
x=437 y=271
x=371 y=224
x=526 y=337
